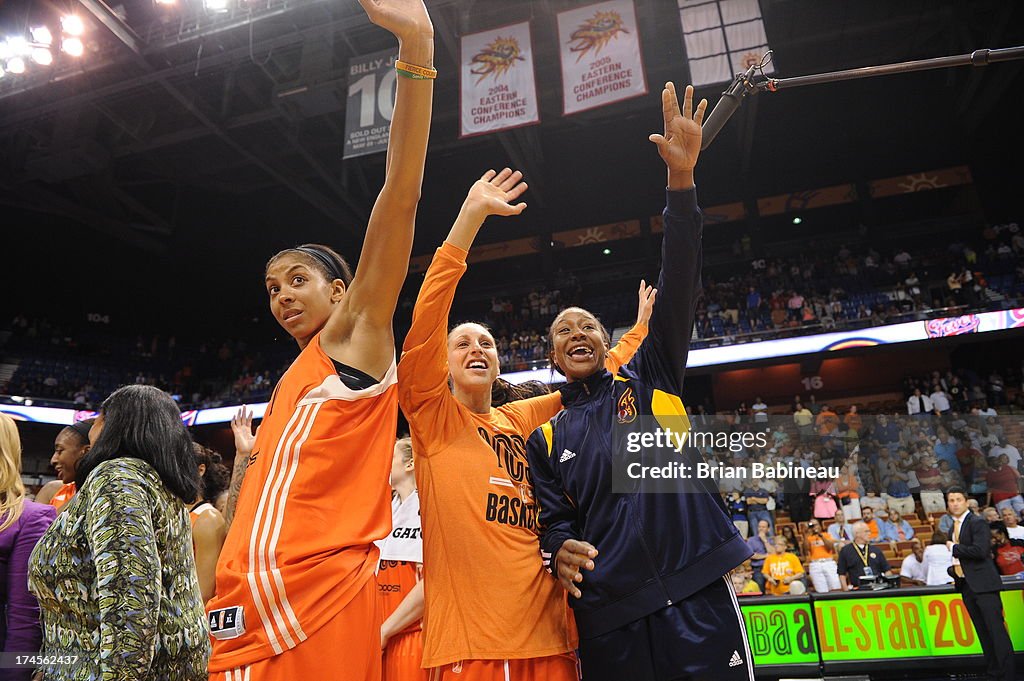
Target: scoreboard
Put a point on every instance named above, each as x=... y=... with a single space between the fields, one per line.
x=862 y=631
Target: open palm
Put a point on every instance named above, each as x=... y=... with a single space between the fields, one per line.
x=494 y=193
x=679 y=146
x=403 y=18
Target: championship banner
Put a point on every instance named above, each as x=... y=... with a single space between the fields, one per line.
x=600 y=51
x=371 y=102
x=722 y=38
x=498 y=89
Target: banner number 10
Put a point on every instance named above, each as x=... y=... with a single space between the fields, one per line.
x=371 y=92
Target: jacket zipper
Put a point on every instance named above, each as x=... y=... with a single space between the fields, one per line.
x=647 y=550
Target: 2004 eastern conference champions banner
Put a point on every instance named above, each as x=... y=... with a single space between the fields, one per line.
x=498 y=86
x=600 y=51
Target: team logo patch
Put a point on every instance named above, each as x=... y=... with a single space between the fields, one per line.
x=736 y=660
x=627 y=406
x=227 y=623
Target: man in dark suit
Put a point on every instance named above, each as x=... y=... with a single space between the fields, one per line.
x=976 y=578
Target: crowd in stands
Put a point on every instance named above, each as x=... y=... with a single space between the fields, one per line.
x=895 y=472
x=807 y=293
x=812 y=292
x=80 y=366
x=859 y=285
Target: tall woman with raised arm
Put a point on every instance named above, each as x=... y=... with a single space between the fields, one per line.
x=644 y=560
x=295 y=594
x=492 y=613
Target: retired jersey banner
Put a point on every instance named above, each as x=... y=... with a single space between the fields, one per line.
x=498 y=86
x=600 y=51
x=371 y=102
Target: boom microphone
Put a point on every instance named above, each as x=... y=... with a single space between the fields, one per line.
x=726 y=106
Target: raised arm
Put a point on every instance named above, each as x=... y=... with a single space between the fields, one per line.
x=359 y=333
x=241 y=428
x=626 y=348
x=423 y=371
x=662 y=359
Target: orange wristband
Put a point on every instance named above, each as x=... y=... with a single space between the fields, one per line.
x=419 y=72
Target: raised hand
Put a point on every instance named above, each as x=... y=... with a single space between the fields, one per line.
x=405 y=19
x=679 y=146
x=571 y=559
x=646 y=303
x=241 y=428
x=494 y=193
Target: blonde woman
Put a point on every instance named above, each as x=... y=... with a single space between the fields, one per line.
x=22 y=523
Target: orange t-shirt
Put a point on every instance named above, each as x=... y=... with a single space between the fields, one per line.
x=872 y=528
x=827 y=422
x=63 y=496
x=819 y=549
x=487 y=594
x=778 y=567
x=314 y=499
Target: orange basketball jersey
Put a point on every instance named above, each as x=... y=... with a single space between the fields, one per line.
x=395 y=580
x=63 y=496
x=314 y=499
x=198 y=510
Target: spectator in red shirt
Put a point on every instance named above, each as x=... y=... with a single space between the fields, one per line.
x=1009 y=553
x=965 y=455
x=1003 y=489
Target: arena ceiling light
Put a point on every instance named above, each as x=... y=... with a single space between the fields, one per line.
x=72 y=47
x=16 y=65
x=72 y=24
x=42 y=35
x=216 y=5
x=42 y=56
x=797 y=220
x=19 y=46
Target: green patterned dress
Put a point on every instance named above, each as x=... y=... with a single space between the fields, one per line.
x=116 y=582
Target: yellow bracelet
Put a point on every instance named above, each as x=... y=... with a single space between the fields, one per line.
x=423 y=72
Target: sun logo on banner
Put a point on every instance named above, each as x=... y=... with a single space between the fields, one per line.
x=593 y=235
x=594 y=33
x=496 y=59
x=916 y=183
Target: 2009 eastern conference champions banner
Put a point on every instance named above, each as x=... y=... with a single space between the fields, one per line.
x=498 y=90
x=600 y=51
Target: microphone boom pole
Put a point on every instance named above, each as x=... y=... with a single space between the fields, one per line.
x=744 y=83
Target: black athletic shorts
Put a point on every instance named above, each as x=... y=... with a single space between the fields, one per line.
x=700 y=638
